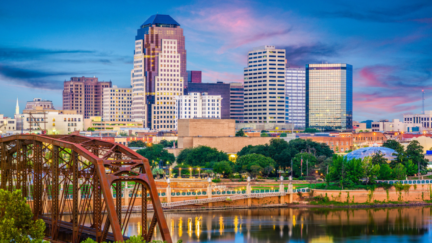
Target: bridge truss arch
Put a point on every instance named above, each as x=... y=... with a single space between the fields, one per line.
x=69 y=182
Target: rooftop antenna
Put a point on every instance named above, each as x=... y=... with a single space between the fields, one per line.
x=423 y=100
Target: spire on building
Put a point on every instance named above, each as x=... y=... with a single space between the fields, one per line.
x=17 y=108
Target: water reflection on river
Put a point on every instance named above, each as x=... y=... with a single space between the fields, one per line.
x=298 y=225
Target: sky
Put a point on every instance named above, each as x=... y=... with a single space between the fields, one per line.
x=43 y=43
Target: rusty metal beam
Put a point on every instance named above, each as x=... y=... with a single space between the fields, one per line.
x=48 y=171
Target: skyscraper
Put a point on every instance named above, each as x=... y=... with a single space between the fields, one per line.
x=219 y=88
x=199 y=105
x=194 y=76
x=84 y=95
x=159 y=73
x=295 y=97
x=236 y=102
x=329 y=96
x=117 y=104
x=264 y=81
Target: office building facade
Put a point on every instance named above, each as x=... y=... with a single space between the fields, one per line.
x=264 y=86
x=295 y=97
x=199 y=105
x=194 y=76
x=329 y=96
x=159 y=73
x=218 y=88
x=84 y=95
x=236 y=102
x=423 y=120
x=117 y=104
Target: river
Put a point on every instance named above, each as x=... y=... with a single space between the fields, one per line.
x=410 y=224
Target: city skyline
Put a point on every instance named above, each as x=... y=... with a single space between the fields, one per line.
x=387 y=44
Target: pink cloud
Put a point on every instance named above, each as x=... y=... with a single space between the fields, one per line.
x=213 y=76
x=376 y=103
x=375 y=76
x=230 y=26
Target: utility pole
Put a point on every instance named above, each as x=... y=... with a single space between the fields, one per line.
x=307 y=167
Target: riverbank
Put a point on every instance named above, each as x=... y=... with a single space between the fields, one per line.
x=329 y=205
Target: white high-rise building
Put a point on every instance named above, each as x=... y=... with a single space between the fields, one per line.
x=264 y=86
x=138 y=83
x=199 y=105
x=117 y=104
x=295 y=97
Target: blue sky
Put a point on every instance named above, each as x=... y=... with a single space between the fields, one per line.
x=43 y=43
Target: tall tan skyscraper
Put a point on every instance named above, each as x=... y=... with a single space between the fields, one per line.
x=159 y=72
x=264 y=81
x=329 y=103
x=84 y=95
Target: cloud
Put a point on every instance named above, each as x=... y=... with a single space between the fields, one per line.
x=377 y=103
x=18 y=54
x=387 y=15
x=226 y=77
x=227 y=27
x=395 y=77
x=299 y=55
x=31 y=78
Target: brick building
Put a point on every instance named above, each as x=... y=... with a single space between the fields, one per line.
x=337 y=144
x=84 y=95
x=368 y=139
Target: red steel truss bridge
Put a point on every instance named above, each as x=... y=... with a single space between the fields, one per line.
x=69 y=181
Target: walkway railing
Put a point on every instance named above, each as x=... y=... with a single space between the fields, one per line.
x=221 y=198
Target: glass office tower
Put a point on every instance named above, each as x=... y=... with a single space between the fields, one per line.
x=329 y=96
x=295 y=97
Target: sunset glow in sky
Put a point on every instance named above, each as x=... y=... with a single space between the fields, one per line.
x=43 y=43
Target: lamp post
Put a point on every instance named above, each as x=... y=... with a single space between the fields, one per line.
x=190 y=170
x=199 y=172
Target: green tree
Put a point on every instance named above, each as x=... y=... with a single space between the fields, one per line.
x=283 y=152
x=201 y=155
x=183 y=155
x=399 y=172
x=16 y=219
x=393 y=144
x=414 y=152
x=265 y=135
x=346 y=172
x=137 y=144
x=411 y=168
x=311 y=130
x=385 y=172
x=240 y=133
x=309 y=161
x=91 y=129
x=223 y=167
x=371 y=171
x=283 y=135
x=158 y=172
x=255 y=170
x=167 y=144
x=155 y=153
x=244 y=163
x=268 y=170
x=378 y=159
